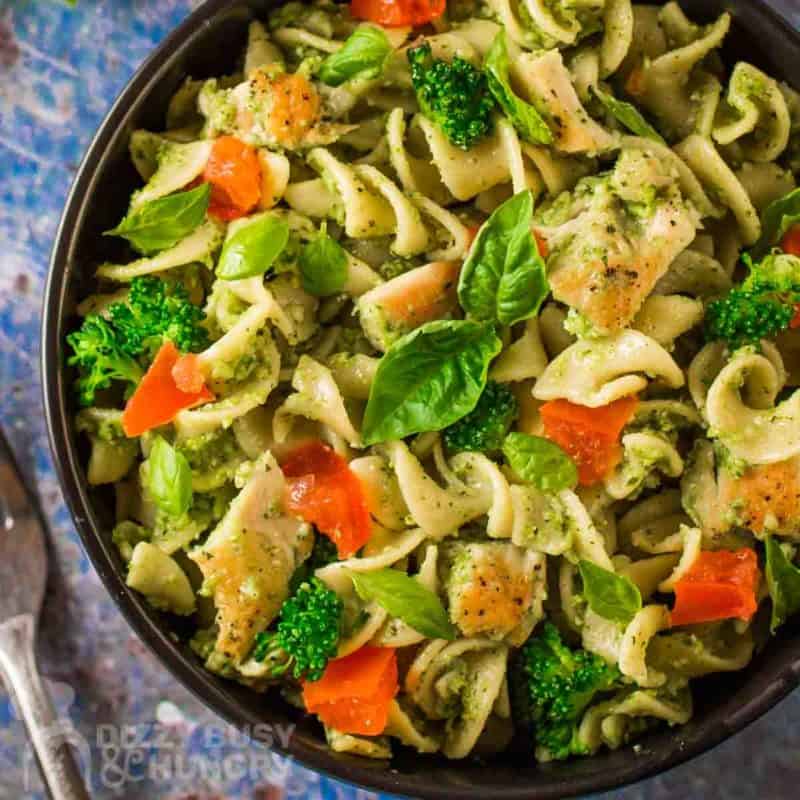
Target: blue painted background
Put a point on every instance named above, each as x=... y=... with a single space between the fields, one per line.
x=145 y=736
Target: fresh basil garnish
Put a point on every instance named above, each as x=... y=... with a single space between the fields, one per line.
x=168 y=478
x=524 y=117
x=540 y=462
x=628 y=116
x=504 y=278
x=777 y=218
x=162 y=223
x=323 y=266
x=783 y=582
x=407 y=599
x=609 y=595
x=252 y=246
x=363 y=55
x=428 y=379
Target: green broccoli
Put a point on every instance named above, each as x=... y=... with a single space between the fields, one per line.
x=307 y=631
x=558 y=684
x=157 y=310
x=487 y=425
x=761 y=306
x=99 y=353
x=120 y=347
x=454 y=95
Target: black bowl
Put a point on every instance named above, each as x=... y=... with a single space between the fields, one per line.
x=207 y=44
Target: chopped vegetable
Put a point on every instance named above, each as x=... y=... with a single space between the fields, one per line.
x=168 y=478
x=721 y=584
x=354 y=694
x=398 y=13
x=790 y=243
x=321 y=489
x=235 y=177
x=761 y=306
x=157 y=398
x=485 y=427
x=117 y=348
x=157 y=310
x=559 y=683
x=455 y=95
x=590 y=436
x=99 y=353
x=307 y=632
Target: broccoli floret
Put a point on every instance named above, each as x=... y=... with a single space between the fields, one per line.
x=486 y=426
x=307 y=631
x=559 y=683
x=119 y=347
x=99 y=353
x=156 y=310
x=454 y=95
x=761 y=306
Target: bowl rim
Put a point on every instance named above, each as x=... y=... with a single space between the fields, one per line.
x=191 y=675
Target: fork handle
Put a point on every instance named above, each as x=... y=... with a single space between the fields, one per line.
x=18 y=667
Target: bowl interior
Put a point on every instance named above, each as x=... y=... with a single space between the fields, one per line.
x=207 y=44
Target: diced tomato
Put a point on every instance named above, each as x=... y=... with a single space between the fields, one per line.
x=322 y=490
x=235 y=177
x=187 y=374
x=354 y=693
x=791 y=241
x=795 y=323
x=721 y=584
x=590 y=436
x=398 y=13
x=541 y=243
x=158 y=398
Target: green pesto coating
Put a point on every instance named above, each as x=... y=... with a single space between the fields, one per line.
x=560 y=683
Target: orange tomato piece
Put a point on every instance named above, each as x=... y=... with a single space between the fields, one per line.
x=590 y=436
x=235 y=177
x=354 y=693
x=721 y=584
x=398 y=13
x=158 y=398
x=791 y=241
x=795 y=323
x=187 y=374
x=541 y=243
x=295 y=108
x=322 y=490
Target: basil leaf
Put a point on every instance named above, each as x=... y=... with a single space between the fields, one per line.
x=628 y=116
x=169 y=478
x=323 y=266
x=162 y=223
x=428 y=379
x=363 y=55
x=783 y=582
x=524 y=117
x=777 y=218
x=612 y=596
x=407 y=599
x=540 y=462
x=252 y=246
x=504 y=278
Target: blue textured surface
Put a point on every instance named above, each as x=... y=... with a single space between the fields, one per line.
x=145 y=735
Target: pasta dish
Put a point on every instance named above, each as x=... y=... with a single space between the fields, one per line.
x=446 y=374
